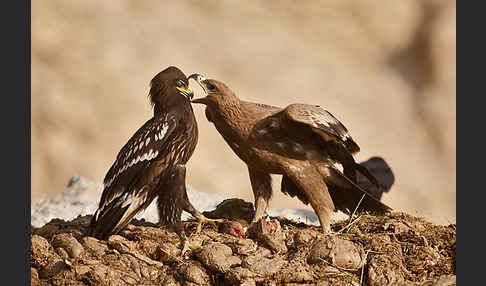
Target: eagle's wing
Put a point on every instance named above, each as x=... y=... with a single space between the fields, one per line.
x=348 y=195
x=330 y=129
x=129 y=182
x=323 y=123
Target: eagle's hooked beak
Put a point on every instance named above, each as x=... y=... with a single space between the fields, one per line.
x=199 y=79
x=187 y=92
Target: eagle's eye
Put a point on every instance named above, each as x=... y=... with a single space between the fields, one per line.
x=210 y=86
x=180 y=83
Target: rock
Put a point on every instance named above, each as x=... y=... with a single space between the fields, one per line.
x=149 y=248
x=81 y=270
x=244 y=246
x=304 y=237
x=248 y=283
x=44 y=258
x=52 y=268
x=239 y=274
x=62 y=253
x=232 y=209
x=262 y=265
x=120 y=243
x=94 y=246
x=445 y=280
x=135 y=259
x=396 y=226
x=195 y=273
x=169 y=280
x=295 y=272
x=169 y=253
x=217 y=257
x=338 y=252
x=33 y=274
x=382 y=270
x=69 y=243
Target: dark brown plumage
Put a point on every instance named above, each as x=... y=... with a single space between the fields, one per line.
x=304 y=143
x=152 y=163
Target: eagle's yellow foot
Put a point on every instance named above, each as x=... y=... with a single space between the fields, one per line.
x=189 y=246
x=202 y=219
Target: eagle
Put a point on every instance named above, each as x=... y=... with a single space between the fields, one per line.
x=152 y=163
x=306 y=144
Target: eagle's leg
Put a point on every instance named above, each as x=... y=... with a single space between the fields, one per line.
x=261 y=184
x=171 y=201
x=310 y=182
x=186 y=245
x=188 y=207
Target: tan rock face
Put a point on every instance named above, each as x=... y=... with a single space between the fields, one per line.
x=91 y=68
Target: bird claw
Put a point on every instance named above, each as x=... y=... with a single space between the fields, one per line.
x=204 y=219
x=189 y=246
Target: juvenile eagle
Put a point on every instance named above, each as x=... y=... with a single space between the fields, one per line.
x=152 y=163
x=304 y=143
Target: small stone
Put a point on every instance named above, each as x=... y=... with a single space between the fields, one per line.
x=217 y=257
x=149 y=248
x=40 y=251
x=244 y=246
x=44 y=258
x=304 y=237
x=248 y=283
x=232 y=209
x=295 y=272
x=62 y=253
x=262 y=265
x=339 y=252
x=94 y=246
x=120 y=243
x=81 y=269
x=238 y=274
x=69 y=243
x=383 y=271
x=396 y=226
x=195 y=273
x=52 y=268
x=168 y=253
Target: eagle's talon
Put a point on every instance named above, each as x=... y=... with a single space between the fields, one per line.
x=202 y=219
x=189 y=246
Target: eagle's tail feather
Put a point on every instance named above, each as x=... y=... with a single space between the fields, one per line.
x=113 y=218
x=351 y=146
x=347 y=195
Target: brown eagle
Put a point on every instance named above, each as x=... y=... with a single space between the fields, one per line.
x=304 y=143
x=152 y=163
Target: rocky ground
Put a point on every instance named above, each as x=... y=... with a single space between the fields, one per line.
x=395 y=249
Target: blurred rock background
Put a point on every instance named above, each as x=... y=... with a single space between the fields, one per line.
x=386 y=69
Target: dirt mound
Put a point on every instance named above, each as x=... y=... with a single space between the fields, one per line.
x=395 y=249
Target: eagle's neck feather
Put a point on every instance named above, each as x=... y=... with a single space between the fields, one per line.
x=232 y=121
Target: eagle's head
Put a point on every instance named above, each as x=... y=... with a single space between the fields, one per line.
x=169 y=85
x=218 y=94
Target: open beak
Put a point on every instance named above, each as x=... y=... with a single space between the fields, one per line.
x=187 y=92
x=199 y=100
x=199 y=79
